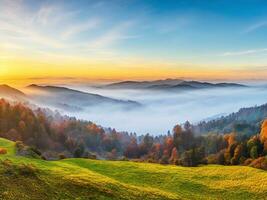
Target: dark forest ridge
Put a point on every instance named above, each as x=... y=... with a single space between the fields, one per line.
x=169 y=84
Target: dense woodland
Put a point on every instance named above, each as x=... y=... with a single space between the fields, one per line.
x=54 y=136
x=246 y=121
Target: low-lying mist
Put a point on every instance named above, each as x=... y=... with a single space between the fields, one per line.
x=160 y=111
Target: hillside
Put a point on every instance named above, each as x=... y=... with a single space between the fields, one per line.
x=95 y=179
x=246 y=120
x=11 y=93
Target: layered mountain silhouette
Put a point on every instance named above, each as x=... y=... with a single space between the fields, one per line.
x=170 y=85
x=70 y=99
x=62 y=97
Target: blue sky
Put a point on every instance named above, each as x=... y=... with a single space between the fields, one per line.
x=183 y=36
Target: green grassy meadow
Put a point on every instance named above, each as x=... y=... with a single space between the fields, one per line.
x=84 y=179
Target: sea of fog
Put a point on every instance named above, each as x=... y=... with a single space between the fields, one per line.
x=160 y=111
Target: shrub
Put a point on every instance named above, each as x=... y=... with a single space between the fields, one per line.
x=8 y=167
x=150 y=160
x=242 y=160
x=260 y=163
x=61 y=156
x=27 y=170
x=90 y=155
x=35 y=150
x=3 y=151
x=23 y=169
x=19 y=145
x=23 y=150
x=212 y=159
x=43 y=157
x=123 y=158
x=248 y=161
x=78 y=152
x=164 y=160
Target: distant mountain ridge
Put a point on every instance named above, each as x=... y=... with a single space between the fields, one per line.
x=61 y=97
x=169 y=84
x=66 y=98
x=11 y=93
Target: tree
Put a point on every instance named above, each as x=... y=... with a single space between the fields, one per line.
x=174 y=156
x=237 y=155
x=131 y=150
x=13 y=134
x=254 y=152
x=78 y=152
x=263 y=134
x=183 y=139
x=220 y=158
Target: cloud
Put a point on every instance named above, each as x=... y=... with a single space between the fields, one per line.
x=21 y=26
x=246 y=52
x=45 y=13
x=48 y=29
x=256 y=26
x=25 y=34
x=113 y=35
x=78 y=28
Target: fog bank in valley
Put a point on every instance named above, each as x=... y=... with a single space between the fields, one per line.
x=160 y=111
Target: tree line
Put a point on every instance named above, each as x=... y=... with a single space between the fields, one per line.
x=56 y=137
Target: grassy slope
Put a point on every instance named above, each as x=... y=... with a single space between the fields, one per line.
x=94 y=179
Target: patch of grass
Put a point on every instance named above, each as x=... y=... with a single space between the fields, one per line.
x=95 y=179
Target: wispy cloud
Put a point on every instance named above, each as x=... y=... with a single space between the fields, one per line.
x=256 y=26
x=113 y=35
x=81 y=27
x=245 y=52
x=45 y=14
x=20 y=25
x=51 y=28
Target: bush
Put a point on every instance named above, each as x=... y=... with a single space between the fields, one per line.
x=260 y=163
x=8 y=166
x=248 y=161
x=35 y=150
x=61 y=156
x=23 y=150
x=27 y=170
x=3 y=151
x=19 y=145
x=124 y=159
x=43 y=157
x=164 y=160
x=212 y=159
x=90 y=155
x=23 y=169
x=150 y=160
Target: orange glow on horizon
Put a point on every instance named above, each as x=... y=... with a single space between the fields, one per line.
x=23 y=71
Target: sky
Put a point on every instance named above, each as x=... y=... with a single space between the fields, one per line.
x=133 y=39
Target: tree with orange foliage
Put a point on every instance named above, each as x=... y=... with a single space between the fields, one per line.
x=174 y=156
x=263 y=134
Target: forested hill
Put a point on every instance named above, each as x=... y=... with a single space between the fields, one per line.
x=53 y=136
x=246 y=120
